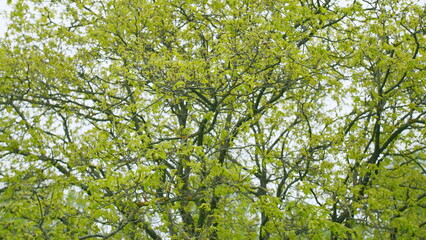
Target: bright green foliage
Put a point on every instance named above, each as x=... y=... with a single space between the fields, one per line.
x=182 y=119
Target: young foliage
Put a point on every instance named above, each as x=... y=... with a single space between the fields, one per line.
x=173 y=119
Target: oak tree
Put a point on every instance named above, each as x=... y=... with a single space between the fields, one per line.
x=213 y=119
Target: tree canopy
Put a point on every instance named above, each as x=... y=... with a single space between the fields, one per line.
x=213 y=119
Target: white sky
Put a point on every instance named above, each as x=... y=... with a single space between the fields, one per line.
x=3 y=7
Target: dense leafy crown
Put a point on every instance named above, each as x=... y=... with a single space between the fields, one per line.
x=213 y=119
